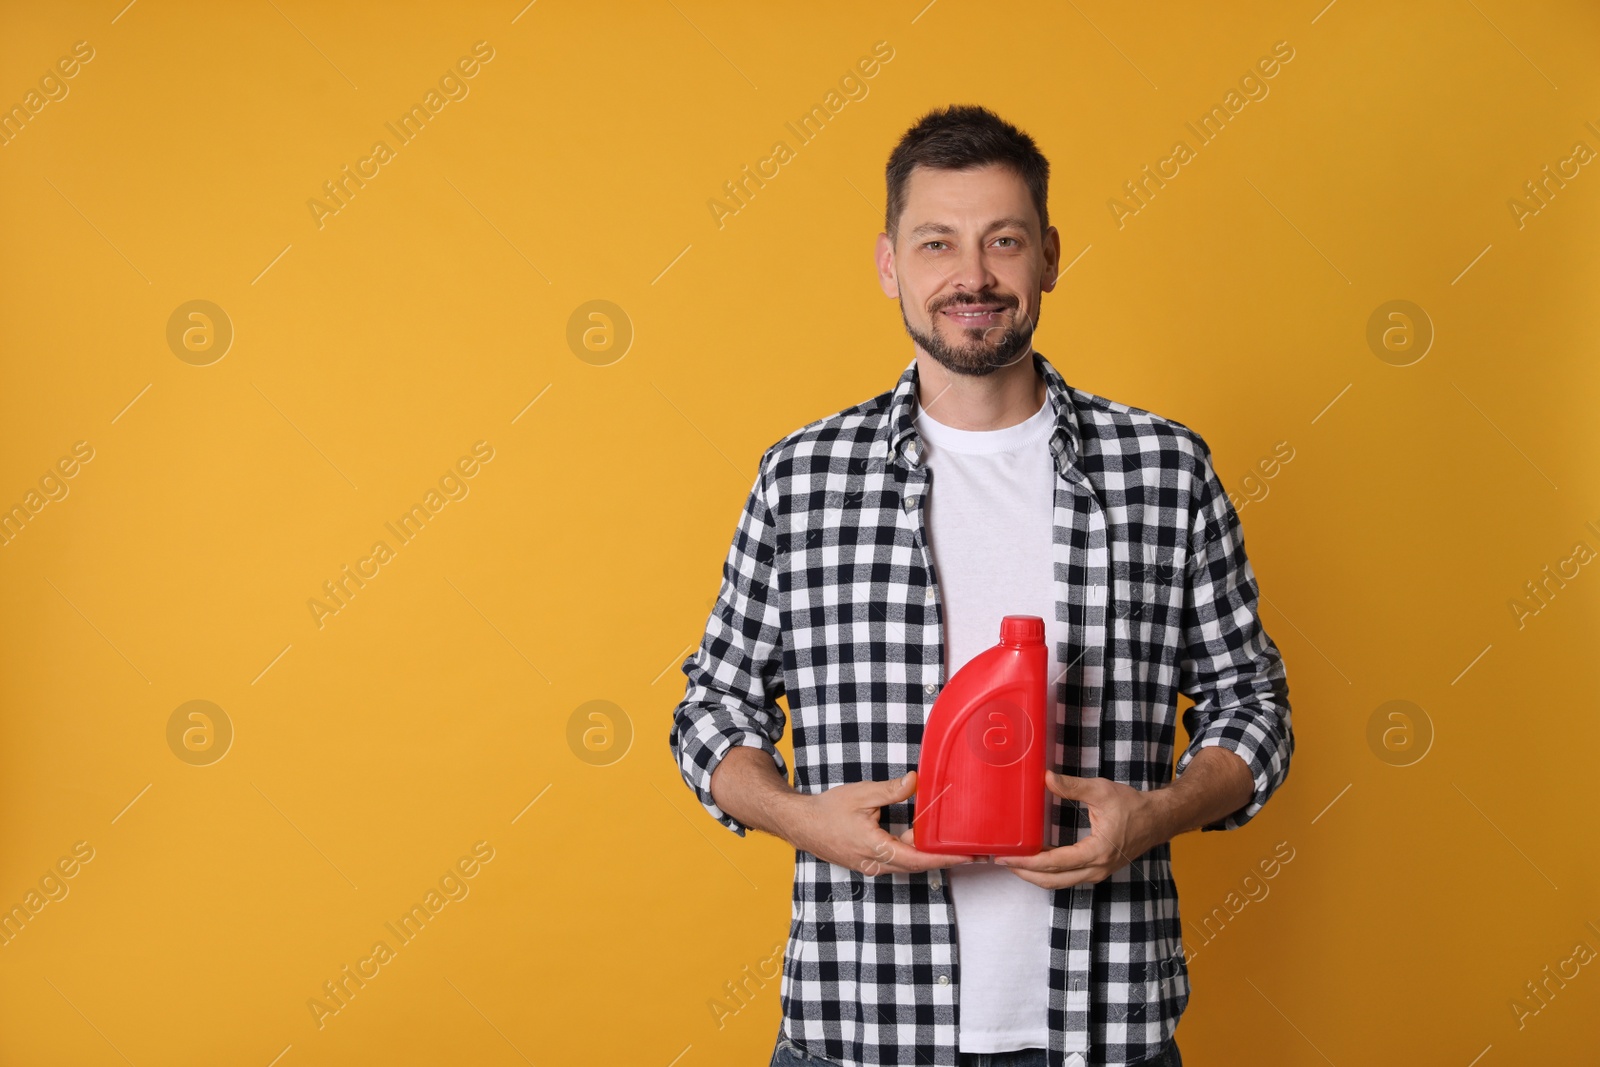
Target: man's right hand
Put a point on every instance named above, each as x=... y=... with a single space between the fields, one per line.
x=840 y=825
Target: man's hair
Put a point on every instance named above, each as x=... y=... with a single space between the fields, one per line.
x=960 y=137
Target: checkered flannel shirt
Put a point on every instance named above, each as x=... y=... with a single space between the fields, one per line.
x=829 y=598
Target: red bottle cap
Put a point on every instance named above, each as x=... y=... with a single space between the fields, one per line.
x=1022 y=630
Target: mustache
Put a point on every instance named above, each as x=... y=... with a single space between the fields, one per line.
x=965 y=301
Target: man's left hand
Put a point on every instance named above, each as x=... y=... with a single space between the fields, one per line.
x=1123 y=825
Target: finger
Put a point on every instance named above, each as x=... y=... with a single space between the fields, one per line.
x=1065 y=880
x=1066 y=858
x=893 y=854
x=898 y=789
x=927 y=861
x=1070 y=787
x=884 y=856
x=908 y=837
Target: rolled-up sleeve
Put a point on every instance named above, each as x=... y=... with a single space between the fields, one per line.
x=1229 y=667
x=735 y=677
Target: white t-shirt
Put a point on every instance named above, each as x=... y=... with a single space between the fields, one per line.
x=990 y=509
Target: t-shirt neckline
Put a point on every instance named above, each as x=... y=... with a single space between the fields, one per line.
x=1005 y=439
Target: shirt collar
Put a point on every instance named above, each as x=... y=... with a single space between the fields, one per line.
x=898 y=439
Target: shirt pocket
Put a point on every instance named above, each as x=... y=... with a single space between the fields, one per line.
x=1147 y=593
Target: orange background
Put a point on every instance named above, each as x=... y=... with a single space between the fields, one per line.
x=445 y=704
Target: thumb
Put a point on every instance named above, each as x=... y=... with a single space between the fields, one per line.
x=900 y=788
x=1067 y=786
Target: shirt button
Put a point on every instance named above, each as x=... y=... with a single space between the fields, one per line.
x=944 y=979
x=931 y=688
x=928 y=595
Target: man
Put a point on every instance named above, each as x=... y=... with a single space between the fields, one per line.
x=877 y=552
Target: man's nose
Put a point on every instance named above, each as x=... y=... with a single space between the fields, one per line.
x=970 y=271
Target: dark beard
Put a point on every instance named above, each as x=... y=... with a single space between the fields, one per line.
x=980 y=354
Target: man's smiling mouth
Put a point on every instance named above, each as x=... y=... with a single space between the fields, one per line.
x=975 y=314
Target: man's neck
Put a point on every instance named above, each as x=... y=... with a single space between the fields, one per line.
x=991 y=402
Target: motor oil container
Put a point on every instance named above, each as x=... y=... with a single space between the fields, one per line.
x=980 y=779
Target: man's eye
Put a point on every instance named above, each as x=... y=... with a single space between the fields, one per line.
x=1013 y=240
x=930 y=244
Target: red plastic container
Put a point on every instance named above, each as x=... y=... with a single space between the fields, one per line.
x=980 y=780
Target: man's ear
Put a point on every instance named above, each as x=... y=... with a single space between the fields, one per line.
x=883 y=259
x=1052 y=260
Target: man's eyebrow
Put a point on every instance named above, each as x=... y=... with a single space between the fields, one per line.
x=929 y=229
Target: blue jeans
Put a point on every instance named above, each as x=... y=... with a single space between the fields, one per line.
x=788 y=1054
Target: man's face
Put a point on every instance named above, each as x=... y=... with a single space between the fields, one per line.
x=969 y=267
